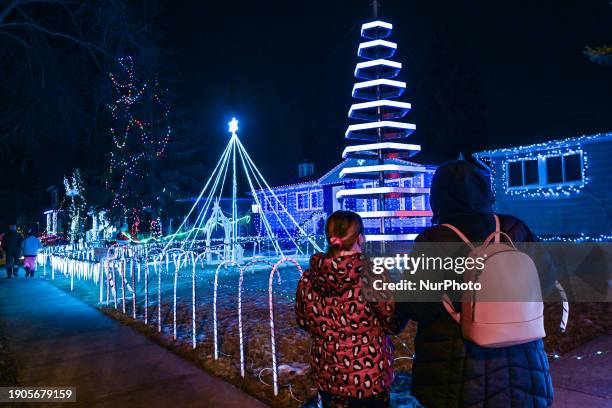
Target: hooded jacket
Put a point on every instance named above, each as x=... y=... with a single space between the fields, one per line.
x=351 y=354
x=449 y=371
x=30 y=246
x=11 y=242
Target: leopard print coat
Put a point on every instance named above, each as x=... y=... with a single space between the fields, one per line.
x=351 y=354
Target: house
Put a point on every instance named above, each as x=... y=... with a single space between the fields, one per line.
x=560 y=188
x=312 y=198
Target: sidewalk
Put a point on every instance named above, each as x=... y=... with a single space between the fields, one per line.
x=57 y=340
x=586 y=382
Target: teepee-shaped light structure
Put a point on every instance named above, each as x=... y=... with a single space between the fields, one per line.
x=233 y=160
x=381 y=133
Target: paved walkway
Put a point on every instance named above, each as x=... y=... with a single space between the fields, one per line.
x=586 y=382
x=58 y=340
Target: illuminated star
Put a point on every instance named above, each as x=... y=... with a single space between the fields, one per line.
x=233 y=126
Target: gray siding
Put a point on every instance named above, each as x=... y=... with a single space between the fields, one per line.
x=588 y=212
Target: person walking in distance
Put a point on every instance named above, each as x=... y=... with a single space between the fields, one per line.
x=11 y=244
x=29 y=248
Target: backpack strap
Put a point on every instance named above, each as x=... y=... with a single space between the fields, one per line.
x=448 y=305
x=460 y=234
x=495 y=234
x=497 y=228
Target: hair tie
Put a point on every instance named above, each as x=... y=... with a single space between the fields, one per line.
x=335 y=241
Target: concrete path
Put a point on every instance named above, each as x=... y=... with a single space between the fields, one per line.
x=586 y=382
x=57 y=340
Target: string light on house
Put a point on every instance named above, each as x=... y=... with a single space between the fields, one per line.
x=542 y=152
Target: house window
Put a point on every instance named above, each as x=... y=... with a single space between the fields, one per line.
x=316 y=199
x=543 y=171
x=265 y=203
x=302 y=201
x=573 y=167
x=564 y=169
x=531 y=175
x=271 y=204
x=280 y=202
x=368 y=204
x=554 y=170
x=515 y=174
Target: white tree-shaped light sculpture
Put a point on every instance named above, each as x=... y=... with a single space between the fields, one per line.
x=235 y=158
x=380 y=136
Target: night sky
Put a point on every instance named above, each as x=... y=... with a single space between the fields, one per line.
x=479 y=75
x=285 y=70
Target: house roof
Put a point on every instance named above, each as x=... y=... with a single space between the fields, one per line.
x=551 y=144
x=333 y=175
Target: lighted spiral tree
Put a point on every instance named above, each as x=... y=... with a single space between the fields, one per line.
x=77 y=208
x=140 y=133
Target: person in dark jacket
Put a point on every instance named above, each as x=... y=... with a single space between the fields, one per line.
x=11 y=244
x=449 y=371
x=351 y=354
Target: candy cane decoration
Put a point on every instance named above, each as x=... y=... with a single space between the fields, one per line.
x=122 y=274
x=240 y=284
x=271 y=307
x=174 y=303
x=159 y=324
x=193 y=297
x=146 y=294
x=114 y=284
x=215 y=330
x=176 y=270
x=133 y=288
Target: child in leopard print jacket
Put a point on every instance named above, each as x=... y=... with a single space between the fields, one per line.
x=351 y=354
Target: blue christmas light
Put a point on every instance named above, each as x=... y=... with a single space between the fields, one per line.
x=541 y=151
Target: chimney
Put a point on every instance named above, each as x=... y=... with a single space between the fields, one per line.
x=305 y=169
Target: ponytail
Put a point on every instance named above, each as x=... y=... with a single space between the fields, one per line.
x=342 y=231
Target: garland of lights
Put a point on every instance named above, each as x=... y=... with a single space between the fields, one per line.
x=544 y=191
x=550 y=148
x=578 y=239
x=134 y=138
x=76 y=210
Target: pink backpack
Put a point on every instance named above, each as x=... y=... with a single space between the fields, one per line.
x=485 y=318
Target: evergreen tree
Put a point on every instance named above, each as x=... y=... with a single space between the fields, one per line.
x=140 y=133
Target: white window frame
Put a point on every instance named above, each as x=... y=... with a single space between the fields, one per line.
x=542 y=172
x=278 y=202
x=317 y=191
x=297 y=200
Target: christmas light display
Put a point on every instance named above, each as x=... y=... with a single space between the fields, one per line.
x=540 y=152
x=210 y=215
x=554 y=181
x=141 y=130
x=382 y=132
x=51 y=217
x=77 y=209
x=579 y=239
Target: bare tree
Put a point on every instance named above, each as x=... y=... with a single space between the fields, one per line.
x=55 y=56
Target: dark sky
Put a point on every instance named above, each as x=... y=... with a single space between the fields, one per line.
x=284 y=69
